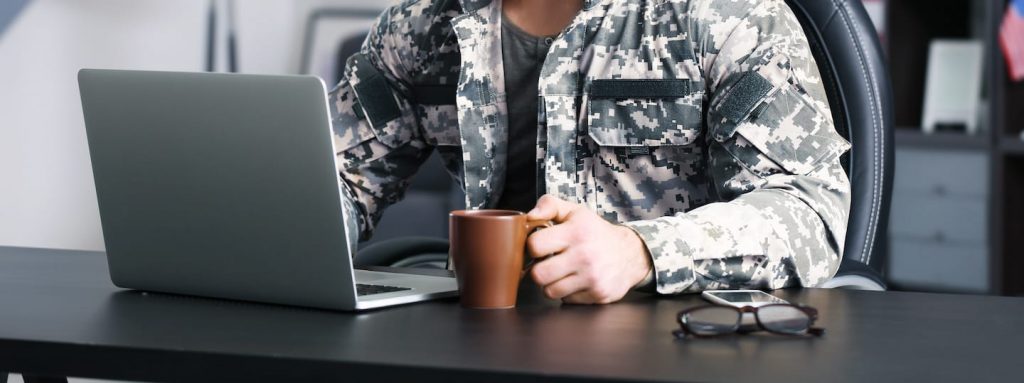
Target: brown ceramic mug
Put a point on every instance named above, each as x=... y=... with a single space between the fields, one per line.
x=487 y=249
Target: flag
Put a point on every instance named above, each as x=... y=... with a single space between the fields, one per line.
x=1011 y=37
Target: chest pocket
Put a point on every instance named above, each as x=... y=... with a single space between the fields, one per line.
x=646 y=162
x=644 y=113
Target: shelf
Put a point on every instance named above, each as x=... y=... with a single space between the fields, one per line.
x=915 y=138
x=1011 y=145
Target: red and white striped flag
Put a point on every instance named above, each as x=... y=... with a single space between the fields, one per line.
x=1011 y=37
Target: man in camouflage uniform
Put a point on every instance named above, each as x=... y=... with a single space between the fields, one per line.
x=686 y=140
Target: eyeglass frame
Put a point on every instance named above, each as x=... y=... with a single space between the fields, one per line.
x=811 y=312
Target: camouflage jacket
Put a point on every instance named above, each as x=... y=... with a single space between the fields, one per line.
x=701 y=124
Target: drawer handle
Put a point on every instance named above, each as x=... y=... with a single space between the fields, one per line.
x=939 y=190
x=939 y=236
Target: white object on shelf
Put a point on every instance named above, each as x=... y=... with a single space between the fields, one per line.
x=953 y=87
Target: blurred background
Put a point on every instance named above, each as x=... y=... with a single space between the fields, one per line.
x=957 y=222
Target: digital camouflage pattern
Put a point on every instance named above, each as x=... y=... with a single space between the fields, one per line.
x=723 y=157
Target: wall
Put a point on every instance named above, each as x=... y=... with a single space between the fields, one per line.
x=47 y=197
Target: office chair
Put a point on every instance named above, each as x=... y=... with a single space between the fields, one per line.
x=413 y=251
x=845 y=44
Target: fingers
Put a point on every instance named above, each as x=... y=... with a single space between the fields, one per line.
x=590 y=297
x=551 y=208
x=545 y=242
x=594 y=290
x=588 y=265
x=580 y=298
x=565 y=287
x=553 y=268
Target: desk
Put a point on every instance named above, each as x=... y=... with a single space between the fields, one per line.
x=62 y=316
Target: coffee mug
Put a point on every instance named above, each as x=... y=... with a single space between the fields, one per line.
x=487 y=249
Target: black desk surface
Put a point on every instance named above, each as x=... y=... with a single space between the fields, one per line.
x=60 y=315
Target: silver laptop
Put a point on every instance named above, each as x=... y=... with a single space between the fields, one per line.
x=226 y=186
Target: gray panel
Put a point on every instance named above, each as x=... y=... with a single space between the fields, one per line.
x=218 y=184
x=938 y=266
x=941 y=172
x=961 y=219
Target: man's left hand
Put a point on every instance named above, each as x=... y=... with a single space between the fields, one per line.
x=591 y=260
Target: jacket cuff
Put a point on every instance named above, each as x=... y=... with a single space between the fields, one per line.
x=670 y=254
x=647 y=284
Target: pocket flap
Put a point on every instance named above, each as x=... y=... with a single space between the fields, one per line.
x=644 y=112
x=435 y=94
x=786 y=128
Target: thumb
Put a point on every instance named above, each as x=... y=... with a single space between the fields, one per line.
x=551 y=208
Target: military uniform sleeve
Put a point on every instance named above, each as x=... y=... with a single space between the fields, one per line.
x=773 y=161
x=379 y=147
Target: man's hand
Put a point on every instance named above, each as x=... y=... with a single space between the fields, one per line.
x=592 y=261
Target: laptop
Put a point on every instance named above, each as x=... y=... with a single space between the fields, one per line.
x=227 y=186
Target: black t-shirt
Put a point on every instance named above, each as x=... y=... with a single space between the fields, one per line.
x=523 y=55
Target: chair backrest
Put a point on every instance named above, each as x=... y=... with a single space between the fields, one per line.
x=845 y=44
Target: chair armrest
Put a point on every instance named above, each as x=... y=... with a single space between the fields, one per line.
x=853 y=275
x=404 y=251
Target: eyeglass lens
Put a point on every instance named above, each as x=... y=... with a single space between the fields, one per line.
x=712 y=320
x=784 y=319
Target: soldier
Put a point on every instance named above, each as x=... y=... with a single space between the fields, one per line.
x=680 y=145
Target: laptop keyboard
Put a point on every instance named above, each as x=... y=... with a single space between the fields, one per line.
x=364 y=289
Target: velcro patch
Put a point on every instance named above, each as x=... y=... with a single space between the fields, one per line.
x=430 y=94
x=748 y=92
x=641 y=88
x=374 y=93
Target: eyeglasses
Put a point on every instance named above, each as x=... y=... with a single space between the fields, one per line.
x=712 y=320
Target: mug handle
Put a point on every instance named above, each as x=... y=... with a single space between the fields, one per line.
x=532 y=226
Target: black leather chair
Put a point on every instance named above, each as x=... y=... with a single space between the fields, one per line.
x=845 y=45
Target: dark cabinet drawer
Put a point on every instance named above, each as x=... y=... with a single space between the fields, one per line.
x=940 y=173
x=938 y=266
x=941 y=219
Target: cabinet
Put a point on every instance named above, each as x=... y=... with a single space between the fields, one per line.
x=957 y=218
x=938 y=230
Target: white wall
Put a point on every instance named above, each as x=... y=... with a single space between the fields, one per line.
x=47 y=197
